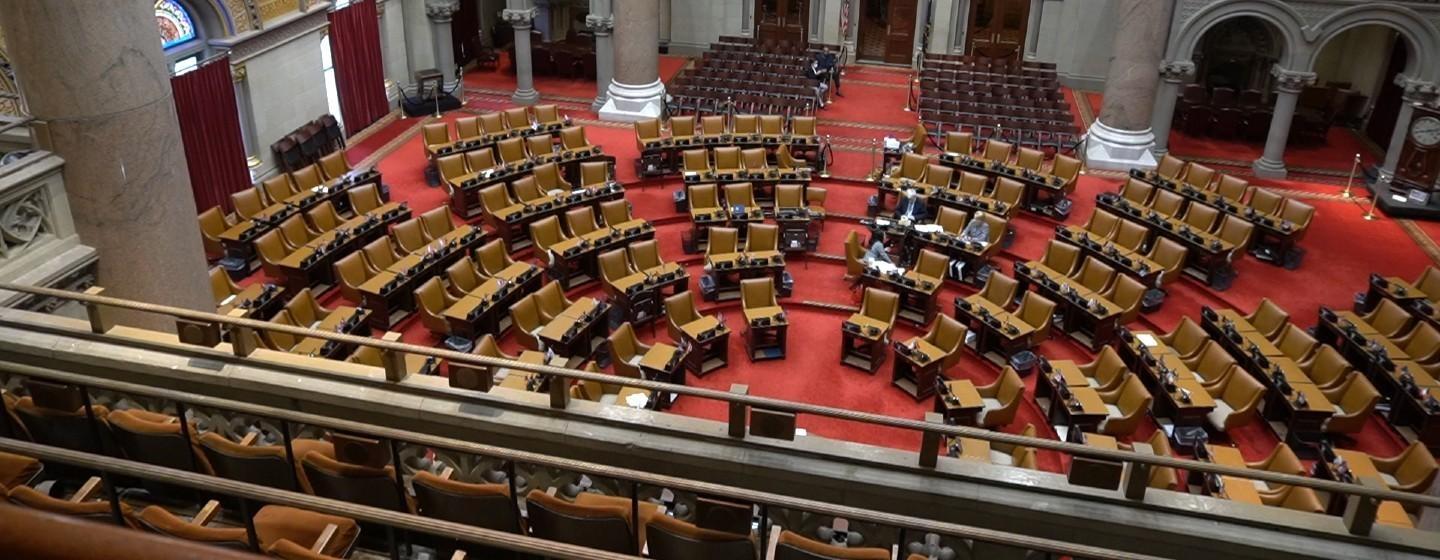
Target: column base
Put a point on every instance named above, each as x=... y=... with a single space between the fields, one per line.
x=525 y=97
x=1267 y=169
x=629 y=103
x=1120 y=150
x=599 y=102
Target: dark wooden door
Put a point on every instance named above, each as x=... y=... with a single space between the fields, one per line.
x=782 y=20
x=1387 y=101
x=900 y=37
x=997 y=28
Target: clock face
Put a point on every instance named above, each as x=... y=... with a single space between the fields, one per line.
x=1426 y=131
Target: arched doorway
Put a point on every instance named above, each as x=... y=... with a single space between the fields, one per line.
x=1357 y=68
x=887 y=31
x=1230 y=98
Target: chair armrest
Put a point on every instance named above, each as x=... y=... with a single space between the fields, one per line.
x=324 y=539
x=207 y=514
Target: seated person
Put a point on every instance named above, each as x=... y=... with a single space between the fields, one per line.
x=977 y=230
x=877 y=253
x=911 y=206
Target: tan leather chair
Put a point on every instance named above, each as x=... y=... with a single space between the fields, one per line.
x=1169 y=204
x=1212 y=364
x=1232 y=188
x=604 y=393
x=432 y=300
x=221 y=286
x=573 y=138
x=1094 y=275
x=1102 y=224
x=468 y=128
x=1413 y=470
x=999 y=289
x=1297 y=498
x=1389 y=319
x=882 y=306
x=712 y=125
x=931 y=266
x=1295 y=343
x=594 y=174
x=379 y=255
x=1429 y=283
x=335 y=165
x=1030 y=158
x=754 y=160
x=1356 y=399
x=580 y=221
x=1165 y=478
x=435 y=134
x=741 y=194
x=1236 y=231
x=1422 y=344
x=548 y=178
x=959 y=142
x=551 y=301
x=493 y=125
x=1001 y=400
x=1171 y=258
x=436 y=222
x=1008 y=192
x=350 y=274
x=757 y=293
x=937 y=177
x=723 y=241
x=704 y=199
x=480 y=160
x=546 y=233
x=645 y=255
x=305 y=310
x=680 y=310
x=762 y=237
x=1126 y=292
x=613 y=267
x=527 y=189
x=1327 y=368
x=626 y=351
x=452 y=169
x=670 y=538
x=727 y=160
x=1036 y=311
x=247 y=202
x=1187 y=339
x=271 y=249
x=854 y=252
x=802 y=127
x=1068 y=169
x=950 y=220
x=279 y=341
x=547 y=114
x=973 y=184
x=1280 y=460
x=683 y=127
x=1137 y=192
x=996 y=150
x=1269 y=319
x=364 y=198
x=789 y=197
x=1131 y=236
x=1199 y=176
x=912 y=166
x=517 y=118
x=295 y=233
x=998 y=226
x=213 y=224
x=948 y=335
x=1237 y=398
x=1170 y=167
x=323 y=218
x=772 y=125
x=1265 y=201
x=409 y=236
x=1106 y=372
x=512 y=151
x=278 y=188
x=792 y=546
x=491 y=258
x=1126 y=407
x=525 y=317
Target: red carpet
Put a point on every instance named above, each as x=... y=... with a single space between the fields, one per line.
x=1336 y=267
x=1335 y=155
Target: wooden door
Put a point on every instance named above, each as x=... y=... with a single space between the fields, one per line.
x=1388 y=100
x=900 y=37
x=782 y=20
x=997 y=28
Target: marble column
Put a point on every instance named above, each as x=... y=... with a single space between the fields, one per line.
x=1032 y=28
x=240 y=75
x=1415 y=92
x=1122 y=138
x=521 y=20
x=1172 y=75
x=392 y=25
x=1288 y=84
x=664 y=26
x=602 y=23
x=441 y=12
x=102 y=98
x=636 y=92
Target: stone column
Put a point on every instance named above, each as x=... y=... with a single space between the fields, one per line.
x=602 y=23
x=240 y=75
x=441 y=12
x=1172 y=74
x=392 y=25
x=1416 y=92
x=101 y=98
x=665 y=26
x=520 y=20
x=1032 y=29
x=636 y=92
x=1121 y=138
x=1288 y=84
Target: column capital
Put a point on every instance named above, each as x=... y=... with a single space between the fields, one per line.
x=518 y=18
x=380 y=7
x=600 y=25
x=1176 y=70
x=441 y=11
x=1290 y=81
x=1417 y=91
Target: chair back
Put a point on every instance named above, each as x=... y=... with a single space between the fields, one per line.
x=723 y=240
x=667 y=538
x=247 y=202
x=580 y=221
x=480 y=505
x=573 y=138
x=762 y=237
x=601 y=527
x=436 y=222
x=144 y=437
x=757 y=292
x=348 y=482
x=364 y=198
x=264 y=465
x=54 y=414
x=704 y=197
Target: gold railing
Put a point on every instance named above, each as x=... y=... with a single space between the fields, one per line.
x=1136 y=466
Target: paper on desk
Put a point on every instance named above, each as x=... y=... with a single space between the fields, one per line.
x=227 y=300
x=883 y=267
x=928 y=228
x=882 y=222
x=1147 y=339
x=892 y=143
x=637 y=400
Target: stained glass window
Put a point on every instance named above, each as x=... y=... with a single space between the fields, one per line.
x=176 y=27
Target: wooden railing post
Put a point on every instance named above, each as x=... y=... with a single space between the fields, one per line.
x=738 y=411
x=393 y=361
x=930 y=441
x=242 y=339
x=1135 y=480
x=99 y=321
x=1360 y=511
x=559 y=392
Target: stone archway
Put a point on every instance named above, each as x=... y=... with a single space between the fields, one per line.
x=1280 y=17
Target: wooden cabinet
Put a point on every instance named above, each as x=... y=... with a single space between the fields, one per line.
x=1419 y=166
x=997 y=28
x=782 y=20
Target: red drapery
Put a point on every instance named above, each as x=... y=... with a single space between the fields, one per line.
x=210 y=128
x=359 y=74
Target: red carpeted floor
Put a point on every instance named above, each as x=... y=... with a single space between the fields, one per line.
x=1343 y=249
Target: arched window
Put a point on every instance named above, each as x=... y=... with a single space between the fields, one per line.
x=176 y=26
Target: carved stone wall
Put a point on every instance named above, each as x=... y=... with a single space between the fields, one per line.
x=38 y=243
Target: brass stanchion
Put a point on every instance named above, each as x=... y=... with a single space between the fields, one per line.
x=875 y=170
x=1351 y=180
x=1370 y=214
x=820 y=158
x=1375 y=195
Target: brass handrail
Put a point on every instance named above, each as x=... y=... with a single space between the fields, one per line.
x=765 y=403
x=572 y=465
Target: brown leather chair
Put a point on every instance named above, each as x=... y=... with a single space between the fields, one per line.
x=626 y=351
x=712 y=125
x=1187 y=339
x=1281 y=459
x=1036 y=311
x=1212 y=364
x=947 y=335
x=307 y=178
x=704 y=200
x=1106 y=372
x=680 y=310
x=1165 y=478
x=493 y=125
x=594 y=174
x=1060 y=259
x=431 y=301
x=373 y=484
x=1068 y=169
x=614 y=266
x=1171 y=258
x=959 y=142
x=1030 y=158
x=436 y=222
x=1199 y=176
x=999 y=290
x=1429 y=283
x=323 y=218
x=854 y=266
x=727 y=161
x=78 y=506
x=740 y=194
x=772 y=125
x=1170 y=167
x=1269 y=319
x=151 y=437
x=409 y=236
x=1237 y=398
x=54 y=415
x=487 y=347
x=754 y=160
x=882 y=306
x=1137 y=192
x=762 y=237
x=264 y=465
x=462 y=277
x=271 y=249
x=512 y=151
x=1126 y=292
x=1422 y=344
x=452 y=170
x=548 y=177
x=379 y=255
x=547 y=115
x=525 y=317
x=592 y=520
x=278 y=189
x=272 y=525
x=1327 y=368
x=1001 y=400
x=723 y=241
x=1265 y=201
x=803 y=127
x=17 y=470
x=1413 y=470
x=1295 y=343
x=305 y=310
x=1355 y=400
x=912 y=166
x=1389 y=319
x=247 y=202
x=581 y=221
x=1236 y=231
x=477 y=504
x=1102 y=224
x=551 y=301
x=668 y=538
x=573 y=138
x=1126 y=407
x=546 y=233
x=491 y=258
x=364 y=198
x=1131 y=236
x=213 y=224
x=435 y=134
x=1169 y=204
x=792 y=546
x=647 y=131
x=973 y=184
x=468 y=128
x=294 y=233
x=1232 y=188
x=996 y=150
x=615 y=212
x=1094 y=275
x=221 y=286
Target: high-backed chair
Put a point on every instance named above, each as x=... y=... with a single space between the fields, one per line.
x=1169 y=204
x=517 y=118
x=379 y=255
x=1001 y=399
x=1030 y=158
x=437 y=222
x=1106 y=372
x=594 y=174
x=1269 y=319
x=1389 y=319
x=959 y=142
x=973 y=184
x=1068 y=169
x=573 y=138
x=213 y=223
x=1236 y=231
x=525 y=317
x=1125 y=407
x=912 y=166
x=996 y=150
x=371 y=484
x=754 y=160
x=493 y=125
x=551 y=301
x=546 y=233
x=1060 y=259
x=1094 y=275
x=762 y=238
x=409 y=236
x=435 y=134
x=462 y=277
x=1232 y=188
x=1199 y=176
x=712 y=125
x=1413 y=470
x=323 y=218
x=484 y=505
x=222 y=288
x=265 y=465
x=1265 y=201
x=740 y=194
x=1422 y=344
x=1295 y=343
x=728 y=161
x=880 y=305
x=682 y=128
x=278 y=188
x=80 y=506
x=364 y=198
x=1165 y=478
x=1327 y=368
x=452 y=169
x=1171 y=258
x=854 y=252
x=325 y=535
x=151 y=437
x=802 y=127
x=1036 y=311
x=1137 y=192
x=1187 y=339
x=723 y=241
x=294 y=233
x=1429 y=283
x=1170 y=167
x=592 y=520
x=1212 y=364
x=548 y=178
x=704 y=200
x=270 y=248
x=1355 y=399
x=1237 y=398
x=1131 y=236
x=1281 y=459
x=626 y=351
x=468 y=128
x=432 y=300
x=1126 y=292
x=247 y=202
x=581 y=221
x=668 y=538
x=792 y=546
x=947 y=335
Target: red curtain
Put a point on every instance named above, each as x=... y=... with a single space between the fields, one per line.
x=210 y=128
x=359 y=73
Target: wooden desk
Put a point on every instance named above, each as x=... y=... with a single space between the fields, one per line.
x=239 y=239
x=1042 y=190
x=521 y=380
x=862 y=342
x=998 y=334
x=1235 y=489
x=664 y=363
x=1358 y=466
x=918 y=292
x=1208 y=258
x=729 y=269
x=574 y=260
x=1417 y=418
x=1132 y=263
x=1062 y=372
x=918 y=364
x=1082 y=411
x=260 y=301
x=313 y=265
x=765 y=337
x=486 y=309
x=1089 y=317
x=343 y=320
x=711 y=341
x=961 y=403
x=1095 y=473
x=577 y=331
x=390 y=295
